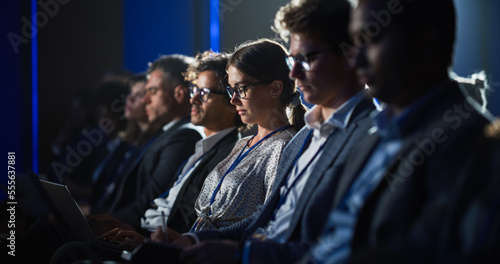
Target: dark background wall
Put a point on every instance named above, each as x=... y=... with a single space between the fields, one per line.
x=15 y=98
x=163 y=27
x=79 y=44
x=243 y=20
x=84 y=39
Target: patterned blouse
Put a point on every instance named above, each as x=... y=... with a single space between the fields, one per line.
x=247 y=186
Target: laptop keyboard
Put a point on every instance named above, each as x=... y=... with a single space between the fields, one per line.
x=112 y=245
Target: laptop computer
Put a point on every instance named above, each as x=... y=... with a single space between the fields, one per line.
x=70 y=214
x=67 y=211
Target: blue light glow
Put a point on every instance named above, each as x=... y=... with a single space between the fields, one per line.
x=34 y=89
x=214 y=25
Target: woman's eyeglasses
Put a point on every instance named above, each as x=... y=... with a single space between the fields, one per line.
x=241 y=90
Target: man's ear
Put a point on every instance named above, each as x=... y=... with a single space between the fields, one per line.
x=276 y=88
x=181 y=93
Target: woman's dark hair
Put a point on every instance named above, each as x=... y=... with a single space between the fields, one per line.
x=110 y=92
x=132 y=133
x=215 y=62
x=265 y=60
x=140 y=77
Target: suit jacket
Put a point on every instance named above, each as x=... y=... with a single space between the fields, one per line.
x=182 y=214
x=155 y=172
x=110 y=165
x=407 y=212
x=480 y=224
x=123 y=178
x=312 y=210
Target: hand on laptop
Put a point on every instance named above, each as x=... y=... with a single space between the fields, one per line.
x=105 y=222
x=127 y=238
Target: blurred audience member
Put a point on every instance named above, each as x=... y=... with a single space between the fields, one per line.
x=402 y=191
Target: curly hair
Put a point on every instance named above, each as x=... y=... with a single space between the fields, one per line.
x=215 y=62
x=209 y=61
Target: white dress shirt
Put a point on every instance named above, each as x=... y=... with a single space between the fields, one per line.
x=153 y=216
x=321 y=132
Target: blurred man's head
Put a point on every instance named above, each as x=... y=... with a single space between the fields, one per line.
x=403 y=47
x=109 y=93
x=167 y=94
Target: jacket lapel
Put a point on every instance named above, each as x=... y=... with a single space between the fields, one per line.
x=332 y=149
x=334 y=146
x=357 y=159
x=285 y=165
x=288 y=157
x=233 y=135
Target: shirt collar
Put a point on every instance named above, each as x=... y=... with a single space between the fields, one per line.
x=339 y=119
x=205 y=144
x=170 y=124
x=389 y=125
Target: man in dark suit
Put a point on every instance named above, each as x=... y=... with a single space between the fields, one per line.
x=154 y=170
x=394 y=198
x=210 y=108
x=295 y=213
x=167 y=98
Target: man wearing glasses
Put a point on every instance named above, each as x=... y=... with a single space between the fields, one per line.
x=167 y=101
x=154 y=169
x=309 y=168
x=210 y=108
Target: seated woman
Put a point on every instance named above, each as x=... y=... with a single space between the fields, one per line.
x=261 y=91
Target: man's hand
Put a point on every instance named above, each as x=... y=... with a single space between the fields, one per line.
x=223 y=251
x=105 y=222
x=174 y=237
x=127 y=238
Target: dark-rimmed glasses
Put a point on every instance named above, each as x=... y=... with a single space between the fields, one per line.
x=241 y=90
x=203 y=92
x=304 y=60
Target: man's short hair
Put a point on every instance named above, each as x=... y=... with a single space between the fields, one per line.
x=173 y=66
x=417 y=15
x=326 y=19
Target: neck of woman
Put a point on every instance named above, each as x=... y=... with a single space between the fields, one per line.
x=266 y=128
